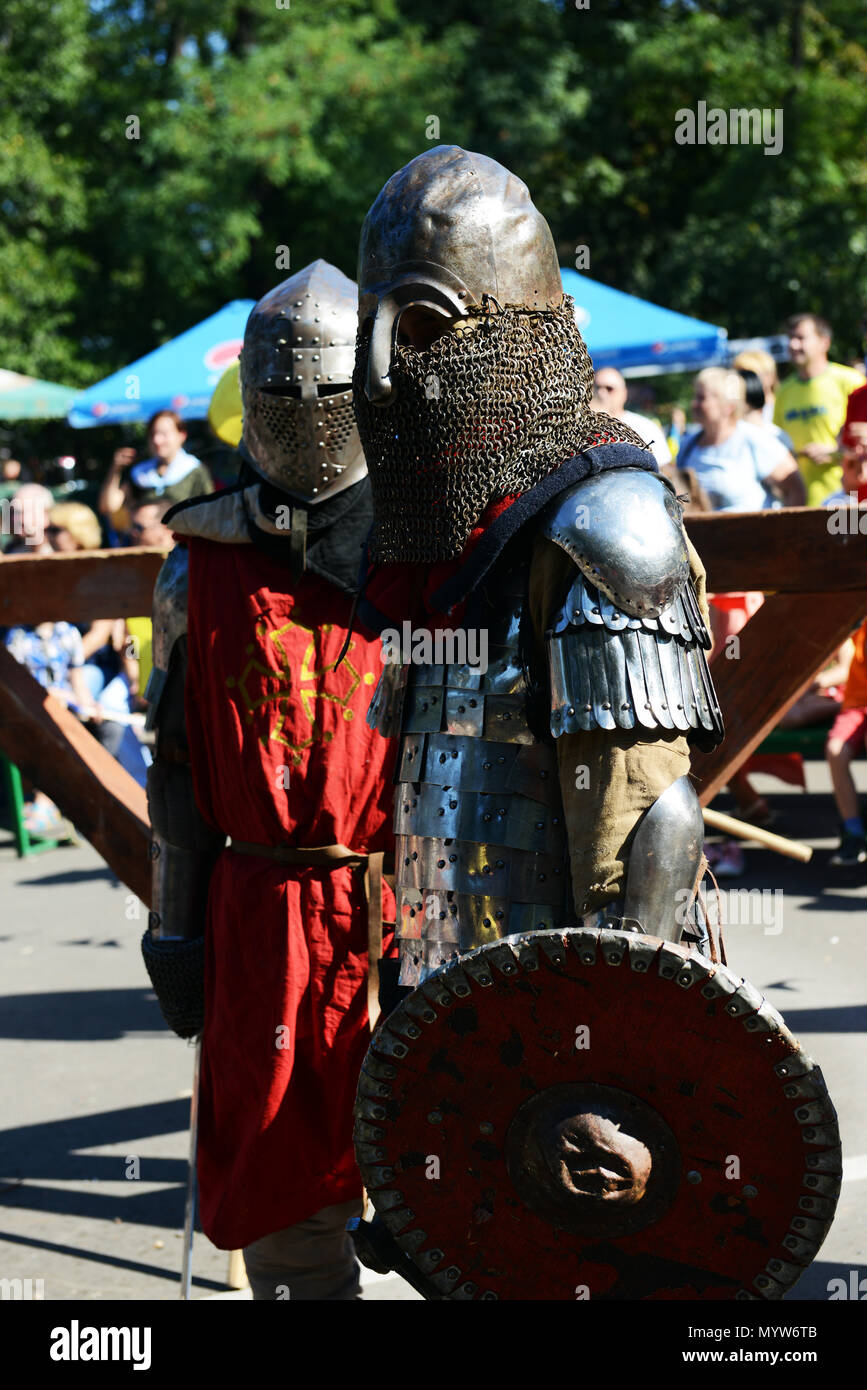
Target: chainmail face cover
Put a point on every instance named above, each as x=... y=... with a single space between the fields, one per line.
x=489 y=410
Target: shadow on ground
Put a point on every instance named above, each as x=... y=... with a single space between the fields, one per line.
x=97 y=1015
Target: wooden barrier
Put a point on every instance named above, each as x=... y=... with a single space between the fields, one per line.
x=811 y=563
x=55 y=751
x=79 y=587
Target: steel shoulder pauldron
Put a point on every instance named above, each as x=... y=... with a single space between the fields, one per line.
x=627 y=646
x=169 y=623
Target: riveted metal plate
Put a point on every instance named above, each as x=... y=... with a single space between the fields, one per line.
x=798 y=1064
x=382 y=1071
x=745 y=1000
x=823 y=1184
x=411 y=1241
x=768 y=1287
x=465 y=713
x=613 y=947
x=388 y=1046
x=476 y=967
x=372 y=1089
x=784 y=1273
x=398 y=1220
x=831 y=1161
x=427 y=1260
x=642 y=953
x=506 y=719
x=367 y=1153
x=585 y=944
x=424 y=710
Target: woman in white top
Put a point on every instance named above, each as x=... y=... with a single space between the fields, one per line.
x=741 y=467
x=737 y=463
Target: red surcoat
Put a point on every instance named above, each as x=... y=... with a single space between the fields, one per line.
x=281 y=754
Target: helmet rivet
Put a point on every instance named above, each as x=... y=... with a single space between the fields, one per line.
x=298 y=303
x=281 y=342
x=296 y=317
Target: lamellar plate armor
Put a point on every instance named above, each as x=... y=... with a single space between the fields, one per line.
x=482 y=848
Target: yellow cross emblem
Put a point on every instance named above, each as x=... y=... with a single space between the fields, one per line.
x=259 y=684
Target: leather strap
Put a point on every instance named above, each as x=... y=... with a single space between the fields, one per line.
x=318 y=856
x=332 y=857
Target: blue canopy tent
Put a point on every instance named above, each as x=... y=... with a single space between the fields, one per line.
x=180 y=375
x=639 y=338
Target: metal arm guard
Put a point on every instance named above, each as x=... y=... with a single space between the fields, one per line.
x=664 y=862
x=627 y=647
x=183 y=847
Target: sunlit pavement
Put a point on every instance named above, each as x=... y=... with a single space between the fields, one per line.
x=91 y=1079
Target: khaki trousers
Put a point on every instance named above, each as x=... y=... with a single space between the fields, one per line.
x=313 y=1260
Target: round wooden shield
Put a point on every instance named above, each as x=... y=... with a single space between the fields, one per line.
x=594 y=1114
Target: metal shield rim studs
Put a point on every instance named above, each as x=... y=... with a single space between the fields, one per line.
x=740 y=1029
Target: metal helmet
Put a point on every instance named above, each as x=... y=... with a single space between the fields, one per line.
x=446 y=230
x=296 y=375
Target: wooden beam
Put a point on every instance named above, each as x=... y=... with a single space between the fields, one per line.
x=79 y=587
x=781 y=648
x=55 y=752
x=792 y=550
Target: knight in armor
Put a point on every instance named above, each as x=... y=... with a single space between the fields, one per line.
x=504 y=504
x=546 y=825
x=270 y=802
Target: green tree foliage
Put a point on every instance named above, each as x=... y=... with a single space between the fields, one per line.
x=260 y=126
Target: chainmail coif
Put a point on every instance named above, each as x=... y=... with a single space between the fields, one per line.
x=488 y=411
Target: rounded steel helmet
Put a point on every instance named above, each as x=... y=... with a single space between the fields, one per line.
x=448 y=230
x=296 y=374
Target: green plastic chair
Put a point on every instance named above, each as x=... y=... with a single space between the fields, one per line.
x=25 y=843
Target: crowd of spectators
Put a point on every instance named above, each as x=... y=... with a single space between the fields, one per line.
x=750 y=443
x=98 y=670
x=755 y=443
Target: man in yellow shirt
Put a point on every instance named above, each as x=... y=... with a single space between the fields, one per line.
x=811 y=404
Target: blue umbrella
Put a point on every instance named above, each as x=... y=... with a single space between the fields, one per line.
x=180 y=375
x=623 y=331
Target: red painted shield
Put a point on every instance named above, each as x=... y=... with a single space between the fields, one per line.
x=472 y=1127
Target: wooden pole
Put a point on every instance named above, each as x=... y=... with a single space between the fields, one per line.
x=792 y=849
x=55 y=752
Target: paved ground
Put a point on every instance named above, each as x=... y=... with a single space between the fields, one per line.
x=90 y=1078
